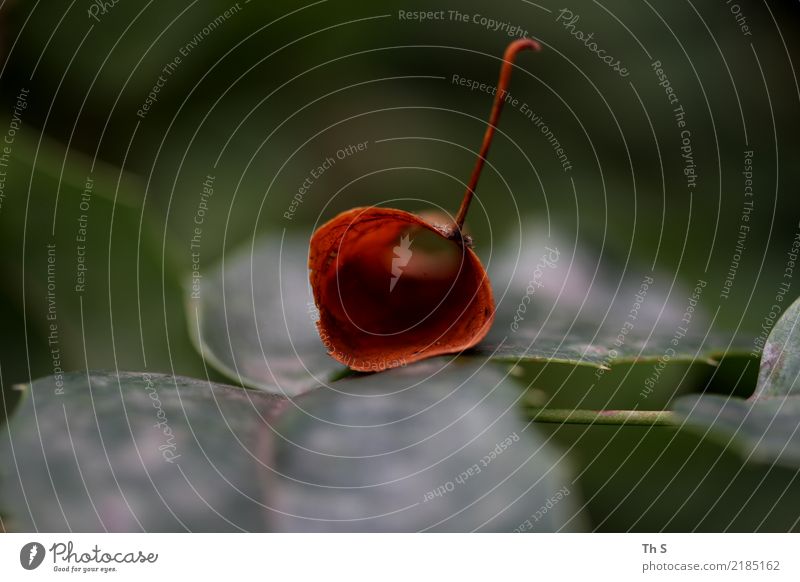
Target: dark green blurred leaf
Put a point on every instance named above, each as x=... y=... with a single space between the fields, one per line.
x=131 y=452
x=646 y=479
x=89 y=264
x=15 y=358
x=765 y=427
x=10 y=397
x=417 y=448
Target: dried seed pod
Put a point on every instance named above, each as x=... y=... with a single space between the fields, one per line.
x=393 y=288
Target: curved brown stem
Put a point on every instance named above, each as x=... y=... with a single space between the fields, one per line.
x=499 y=100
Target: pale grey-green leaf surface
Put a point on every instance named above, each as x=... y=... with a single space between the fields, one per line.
x=253 y=318
x=437 y=446
x=136 y=452
x=766 y=426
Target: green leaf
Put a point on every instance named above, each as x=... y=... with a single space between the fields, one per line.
x=437 y=446
x=132 y=452
x=584 y=345
x=780 y=359
x=659 y=478
x=440 y=446
x=766 y=426
x=80 y=256
x=561 y=302
x=253 y=318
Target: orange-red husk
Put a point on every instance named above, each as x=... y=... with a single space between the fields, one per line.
x=430 y=312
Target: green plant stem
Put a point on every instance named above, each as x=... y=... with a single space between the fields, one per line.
x=630 y=417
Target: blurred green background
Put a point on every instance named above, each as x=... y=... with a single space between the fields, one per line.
x=264 y=93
